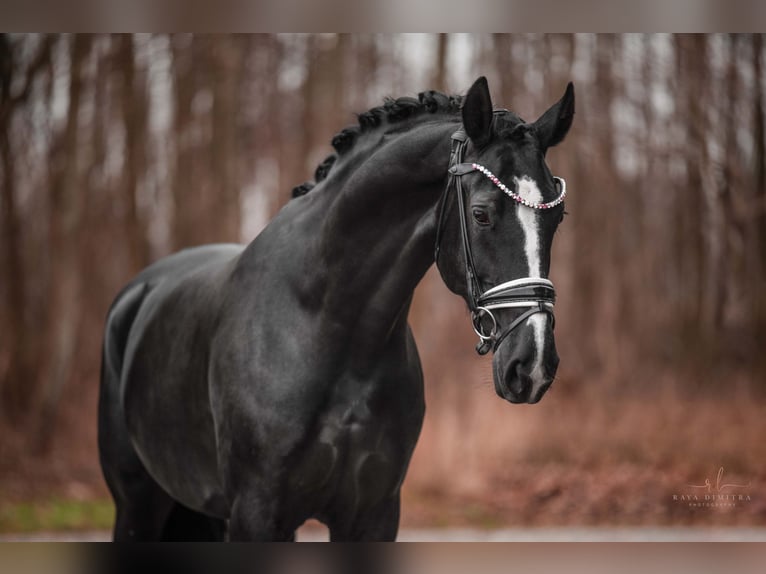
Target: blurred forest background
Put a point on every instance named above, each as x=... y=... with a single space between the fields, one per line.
x=118 y=149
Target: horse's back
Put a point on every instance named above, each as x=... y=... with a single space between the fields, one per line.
x=180 y=264
x=159 y=278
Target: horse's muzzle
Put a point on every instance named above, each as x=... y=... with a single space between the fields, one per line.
x=521 y=376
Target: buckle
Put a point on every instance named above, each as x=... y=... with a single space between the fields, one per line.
x=461 y=168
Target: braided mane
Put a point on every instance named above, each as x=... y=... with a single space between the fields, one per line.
x=392 y=111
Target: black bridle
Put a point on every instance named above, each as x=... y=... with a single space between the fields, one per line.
x=534 y=294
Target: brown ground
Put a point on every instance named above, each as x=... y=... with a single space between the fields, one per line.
x=582 y=458
x=589 y=458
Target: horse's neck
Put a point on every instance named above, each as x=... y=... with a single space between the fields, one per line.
x=377 y=241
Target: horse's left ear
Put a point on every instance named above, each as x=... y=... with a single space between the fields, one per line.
x=477 y=113
x=554 y=124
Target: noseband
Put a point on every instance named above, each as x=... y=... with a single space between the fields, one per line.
x=533 y=294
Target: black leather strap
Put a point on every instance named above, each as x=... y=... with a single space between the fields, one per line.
x=456 y=154
x=540 y=308
x=455 y=170
x=521 y=293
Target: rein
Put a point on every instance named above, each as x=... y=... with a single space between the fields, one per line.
x=534 y=294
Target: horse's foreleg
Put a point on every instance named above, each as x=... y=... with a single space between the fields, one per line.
x=255 y=517
x=142 y=510
x=379 y=524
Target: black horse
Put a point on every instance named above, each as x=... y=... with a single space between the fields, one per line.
x=245 y=389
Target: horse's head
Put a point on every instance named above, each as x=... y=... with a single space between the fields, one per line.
x=496 y=250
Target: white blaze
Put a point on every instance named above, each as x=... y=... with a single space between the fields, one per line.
x=527 y=189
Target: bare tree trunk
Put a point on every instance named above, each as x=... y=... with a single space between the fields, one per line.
x=708 y=209
x=757 y=250
x=308 y=118
x=439 y=81
x=325 y=95
x=602 y=215
x=502 y=58
x=134 y=118
x=14 y=399
x=582 y=220
x=228 y=59
x=272 y=123
x=366 y=69
x=66 y=213
x=648 y=223
x=19 y=380
x=183 y=233
x=724 y=267
x=690 y=240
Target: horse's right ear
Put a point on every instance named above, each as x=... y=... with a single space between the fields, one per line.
x=554 y=124
x=477 y=113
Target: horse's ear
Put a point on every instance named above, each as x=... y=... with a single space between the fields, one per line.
x=477 y=113
x=554 y=124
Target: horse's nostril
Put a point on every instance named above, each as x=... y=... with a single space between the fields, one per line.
x=516 y=380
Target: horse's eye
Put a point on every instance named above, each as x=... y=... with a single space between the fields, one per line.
x=481 y=216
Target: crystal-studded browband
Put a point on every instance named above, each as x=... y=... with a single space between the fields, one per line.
x=516 y=197
x=463 y=168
